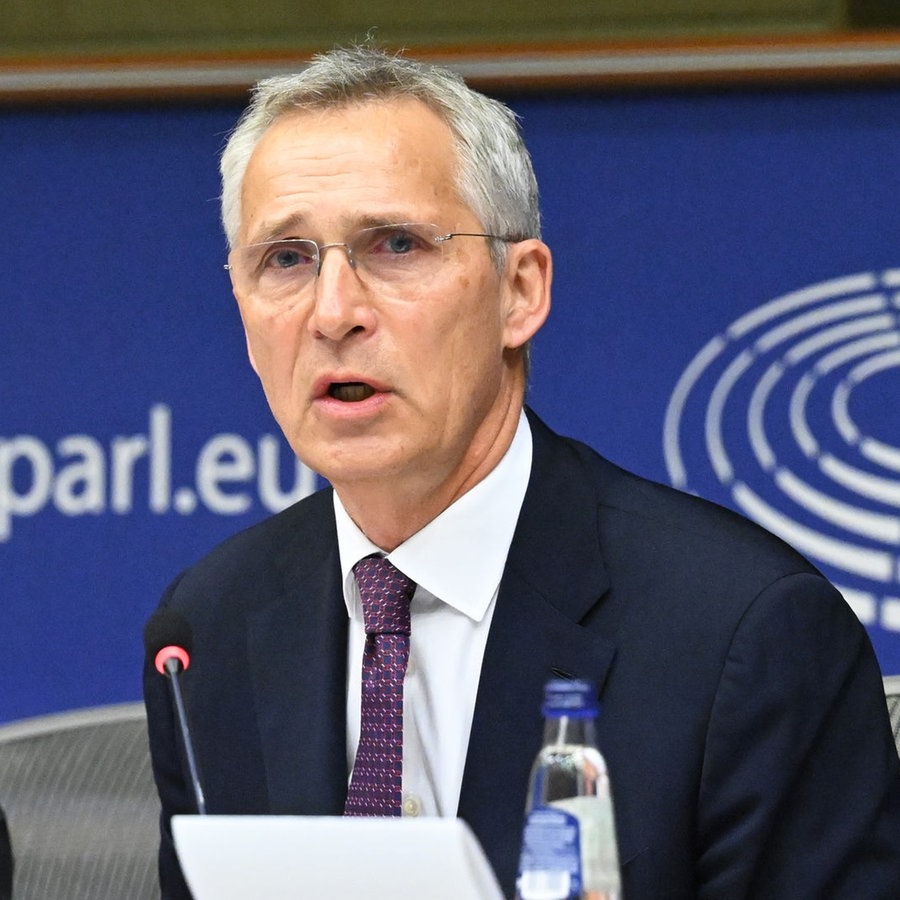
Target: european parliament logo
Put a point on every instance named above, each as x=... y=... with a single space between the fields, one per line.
x=792 y=417
x=85 y=475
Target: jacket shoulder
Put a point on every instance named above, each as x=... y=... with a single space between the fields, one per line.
x=644 y=524
x=257 y=558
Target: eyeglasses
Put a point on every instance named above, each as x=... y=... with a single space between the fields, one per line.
x=390 y=257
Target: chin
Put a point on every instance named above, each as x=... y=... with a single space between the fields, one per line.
x=346 y=468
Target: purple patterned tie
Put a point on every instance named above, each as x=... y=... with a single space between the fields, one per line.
x=377 y=780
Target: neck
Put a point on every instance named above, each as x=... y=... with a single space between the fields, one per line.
x=390 y=510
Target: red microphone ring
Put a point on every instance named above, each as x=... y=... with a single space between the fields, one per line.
x=170 y=652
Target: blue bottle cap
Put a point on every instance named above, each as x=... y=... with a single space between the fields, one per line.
x=575 y=698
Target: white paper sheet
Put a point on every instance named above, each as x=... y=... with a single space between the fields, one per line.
x=331 y=858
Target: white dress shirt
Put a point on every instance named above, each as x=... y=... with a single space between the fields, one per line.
x=456 y=561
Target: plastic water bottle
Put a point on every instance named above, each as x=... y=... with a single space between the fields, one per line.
x=569 y=849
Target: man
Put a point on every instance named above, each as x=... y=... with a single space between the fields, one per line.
x=743 y=721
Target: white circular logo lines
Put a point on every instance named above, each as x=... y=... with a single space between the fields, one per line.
x=792 y=416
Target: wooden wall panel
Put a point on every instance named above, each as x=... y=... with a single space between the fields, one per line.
x=42 y=28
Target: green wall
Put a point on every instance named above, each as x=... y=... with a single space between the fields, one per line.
x=67 y=28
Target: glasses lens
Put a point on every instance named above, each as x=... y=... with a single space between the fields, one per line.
x=398 y=254
x=274 y=269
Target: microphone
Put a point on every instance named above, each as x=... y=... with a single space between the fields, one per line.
x=168 y=641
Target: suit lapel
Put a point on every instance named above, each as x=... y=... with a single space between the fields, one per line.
x=297 y=648
x=554 y=578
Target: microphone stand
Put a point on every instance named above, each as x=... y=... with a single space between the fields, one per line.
x=173 y=668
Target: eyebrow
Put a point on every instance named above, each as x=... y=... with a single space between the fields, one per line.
x=294 y=225
x=290 y=225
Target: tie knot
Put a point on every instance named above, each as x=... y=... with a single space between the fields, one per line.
x=385 y=593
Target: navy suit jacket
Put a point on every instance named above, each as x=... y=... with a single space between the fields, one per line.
x=742 y=715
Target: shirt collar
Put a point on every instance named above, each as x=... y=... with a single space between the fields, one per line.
x=459 y=556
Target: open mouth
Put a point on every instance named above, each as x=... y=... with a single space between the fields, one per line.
x=350 y=391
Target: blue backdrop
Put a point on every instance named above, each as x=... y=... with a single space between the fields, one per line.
x=725 y=319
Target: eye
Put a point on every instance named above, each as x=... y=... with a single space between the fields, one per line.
x=398 y=240
x=281 y=255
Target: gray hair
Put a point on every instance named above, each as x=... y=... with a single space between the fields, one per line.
x=495 y=177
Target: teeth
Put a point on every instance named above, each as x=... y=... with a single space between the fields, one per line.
x=351 y=392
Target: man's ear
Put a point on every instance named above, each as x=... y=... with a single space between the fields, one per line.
x=528 y=275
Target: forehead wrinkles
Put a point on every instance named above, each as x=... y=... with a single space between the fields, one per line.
x=389 y=155
x=284 y=170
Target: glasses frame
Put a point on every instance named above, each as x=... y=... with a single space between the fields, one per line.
x=439 y=239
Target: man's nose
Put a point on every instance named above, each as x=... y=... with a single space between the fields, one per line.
x=342 y=305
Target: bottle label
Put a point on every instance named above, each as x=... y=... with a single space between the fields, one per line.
x=550 y=865
x=599 y=850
